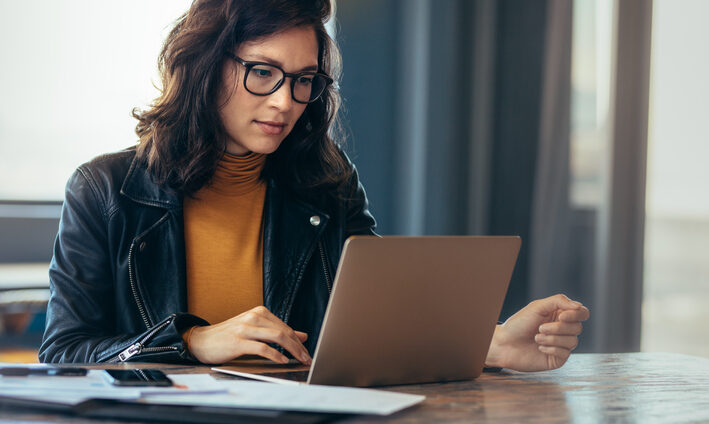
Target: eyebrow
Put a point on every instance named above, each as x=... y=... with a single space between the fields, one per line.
x=276 y=62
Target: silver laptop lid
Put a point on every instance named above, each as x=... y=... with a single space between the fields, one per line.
x=413 y=309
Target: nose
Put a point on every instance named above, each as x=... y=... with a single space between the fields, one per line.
x=282 y=98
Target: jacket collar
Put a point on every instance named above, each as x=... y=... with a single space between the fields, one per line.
x=140 y=187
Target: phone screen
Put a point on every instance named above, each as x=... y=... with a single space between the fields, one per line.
x=138 y=377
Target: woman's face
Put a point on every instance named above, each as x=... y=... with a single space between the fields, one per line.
x=260 y=123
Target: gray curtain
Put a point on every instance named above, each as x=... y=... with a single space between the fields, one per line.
x=460 y=121
x=621 y=220
x=551 y=212
x=443 y=102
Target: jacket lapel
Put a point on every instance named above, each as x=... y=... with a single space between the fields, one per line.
x=158 y=246
x=291 y=233
x=140 y=187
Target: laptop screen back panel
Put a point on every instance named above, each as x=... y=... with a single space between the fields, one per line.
x=413 y=309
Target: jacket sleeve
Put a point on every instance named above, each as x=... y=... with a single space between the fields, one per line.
x=80 y=325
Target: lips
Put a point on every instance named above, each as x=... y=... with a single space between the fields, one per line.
x=271 y=127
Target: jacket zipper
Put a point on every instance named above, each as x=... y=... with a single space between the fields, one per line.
x=325 y=268
x=286 y=316
x=134 y=288
x=137 y=347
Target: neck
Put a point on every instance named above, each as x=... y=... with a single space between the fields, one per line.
x=236 y=150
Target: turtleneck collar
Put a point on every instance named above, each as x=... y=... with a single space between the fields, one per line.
x=237 y=175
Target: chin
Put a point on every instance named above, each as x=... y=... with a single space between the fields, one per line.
x=257 y=143
x=266 y=147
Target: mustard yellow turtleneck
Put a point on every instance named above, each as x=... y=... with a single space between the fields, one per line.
x=224 y=240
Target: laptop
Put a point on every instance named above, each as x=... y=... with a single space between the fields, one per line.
x=409 y=310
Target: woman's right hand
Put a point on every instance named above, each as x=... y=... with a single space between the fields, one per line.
x=247 y=334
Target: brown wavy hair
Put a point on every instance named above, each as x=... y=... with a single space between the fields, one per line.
x=181 y=135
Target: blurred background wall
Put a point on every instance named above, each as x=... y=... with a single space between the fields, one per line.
x=549 y=119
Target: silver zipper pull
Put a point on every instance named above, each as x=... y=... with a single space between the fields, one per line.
x=132 y=350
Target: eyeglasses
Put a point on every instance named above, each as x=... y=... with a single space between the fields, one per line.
x=262 y=79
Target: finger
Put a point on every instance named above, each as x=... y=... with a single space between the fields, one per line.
x=567 y=342
x=263 y=313
x=552 y=304
x=561 y=328
x=260 y=316
x=580 y=314
x=274 y=335
x=250 y=347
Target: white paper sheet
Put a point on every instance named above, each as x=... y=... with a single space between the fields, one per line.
x=311 y=398
x=205 y=390
x=72 y=390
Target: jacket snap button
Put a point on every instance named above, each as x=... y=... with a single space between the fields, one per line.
x=142 y=246
x=314 y=220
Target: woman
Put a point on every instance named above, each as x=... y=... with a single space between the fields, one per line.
x=217 y=236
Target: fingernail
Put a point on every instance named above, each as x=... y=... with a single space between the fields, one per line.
x=578 y=303
x=539 y=338
x=541 y=328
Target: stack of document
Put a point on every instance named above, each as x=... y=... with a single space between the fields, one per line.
x=72 y=390
x=205 y=390
x=307 y=398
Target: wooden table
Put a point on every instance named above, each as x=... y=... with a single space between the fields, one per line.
x=593 y=388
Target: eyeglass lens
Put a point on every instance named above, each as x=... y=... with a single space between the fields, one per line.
x=262 y=79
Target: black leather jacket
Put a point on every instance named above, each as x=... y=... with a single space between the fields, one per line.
x=117 y=277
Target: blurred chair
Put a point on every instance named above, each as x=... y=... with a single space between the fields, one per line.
x=27 y=232
x=24 y=292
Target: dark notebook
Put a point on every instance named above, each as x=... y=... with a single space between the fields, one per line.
x=121 y=409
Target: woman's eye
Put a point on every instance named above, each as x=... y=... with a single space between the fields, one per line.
x=262 y=72
x=305 y=80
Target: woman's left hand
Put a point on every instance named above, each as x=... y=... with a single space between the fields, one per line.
x=539 y=337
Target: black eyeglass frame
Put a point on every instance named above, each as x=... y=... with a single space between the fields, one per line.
x=293 y=77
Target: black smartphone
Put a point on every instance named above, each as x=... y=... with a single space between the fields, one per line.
x=138 y=377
